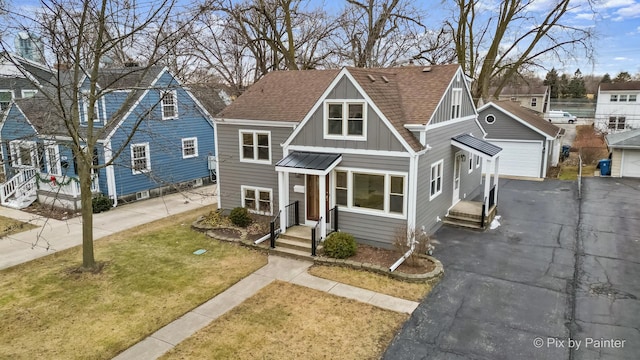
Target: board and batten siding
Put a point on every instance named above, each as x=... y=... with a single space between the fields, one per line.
x=443 y=112
x=505 y=127
x=379 y=137
x=439 y=139
x=165 y=142
x=233 y=173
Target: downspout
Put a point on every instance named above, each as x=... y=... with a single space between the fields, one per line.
x=411 y=211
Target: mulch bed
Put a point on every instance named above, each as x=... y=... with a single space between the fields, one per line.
x=226 y=233
x=50 y=212
x=386 y=258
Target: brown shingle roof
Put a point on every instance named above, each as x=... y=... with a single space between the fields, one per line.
x=281 y=96
x=526 y=89
x=406 y=95
x=628 y=85
x=530 y=116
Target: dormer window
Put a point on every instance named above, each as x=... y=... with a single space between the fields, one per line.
x=345 y=120
x=169 y=104
x=85 y=109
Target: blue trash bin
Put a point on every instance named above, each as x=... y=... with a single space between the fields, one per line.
x=605 y=167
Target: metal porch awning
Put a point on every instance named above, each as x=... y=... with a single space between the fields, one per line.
x=312 y=163
x=475 y=146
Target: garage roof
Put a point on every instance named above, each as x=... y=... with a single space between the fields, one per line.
x=627 y=139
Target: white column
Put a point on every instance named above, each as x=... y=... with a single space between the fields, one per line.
x=496 y=178
x=283 y=198
x=487 y=182
x=323 y=205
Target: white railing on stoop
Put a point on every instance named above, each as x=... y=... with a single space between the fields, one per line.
x=22 y=183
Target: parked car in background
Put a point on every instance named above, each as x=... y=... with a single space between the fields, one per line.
x=559 y=116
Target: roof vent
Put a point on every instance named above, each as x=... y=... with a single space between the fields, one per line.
x=385 y=79
x=426 y=69
x=371 y=78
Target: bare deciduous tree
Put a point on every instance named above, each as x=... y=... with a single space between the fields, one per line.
x=81 y=36
x=494 y=44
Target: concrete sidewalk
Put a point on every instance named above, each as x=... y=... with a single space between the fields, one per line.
x=53 y=235
x=278 y=268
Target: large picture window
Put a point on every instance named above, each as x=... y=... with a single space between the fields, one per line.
x=377 y=191
x=345 y=120
x=257 y=200
x=255 y=146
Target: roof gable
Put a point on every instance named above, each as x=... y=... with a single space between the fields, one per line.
x=627 y=85
x=625 y=139
x=526 y=117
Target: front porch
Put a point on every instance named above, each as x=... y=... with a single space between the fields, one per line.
x=472 y=214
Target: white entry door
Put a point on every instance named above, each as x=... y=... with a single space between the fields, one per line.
x=456 y=177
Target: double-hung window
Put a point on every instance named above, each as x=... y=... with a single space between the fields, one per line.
x=140 y=158
x=632 y=98
x=345 y=119
x=28 y=93
x=257 y=200
x=255 y=146
x=189 y=147
x=52 y=158
x=622 y=98
x=617 y=123
x=613 y=98
x=23 y=153
x=85 y=109
x=534 y=102
x=456 y=103
x=5 y=99
x=436 y=179
x=380 y=192
x=169 y=104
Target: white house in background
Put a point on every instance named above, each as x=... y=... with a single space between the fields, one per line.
x=618 y=107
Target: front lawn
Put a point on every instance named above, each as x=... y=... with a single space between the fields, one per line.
x=10 y=226
x=286 y=321
x=150 y=278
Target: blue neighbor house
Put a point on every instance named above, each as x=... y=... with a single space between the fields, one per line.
x=159 y=136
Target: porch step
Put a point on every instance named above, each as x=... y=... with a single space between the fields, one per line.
x=470 y=221
x=295 y=243
x=291 y=253
x=21 y=202
x=470 y=224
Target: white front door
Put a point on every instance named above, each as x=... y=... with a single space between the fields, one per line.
x=456 y=177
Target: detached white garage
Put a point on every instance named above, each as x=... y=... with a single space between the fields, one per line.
x=529 y=143
x=625 y=153
x=519 y=158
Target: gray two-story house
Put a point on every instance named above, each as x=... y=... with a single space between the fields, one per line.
x=389 y=148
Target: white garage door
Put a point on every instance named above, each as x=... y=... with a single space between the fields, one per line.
x=520 y=158
x=631 y=163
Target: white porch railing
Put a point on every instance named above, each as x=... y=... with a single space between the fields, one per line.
x=23 y=183
x=67 y=185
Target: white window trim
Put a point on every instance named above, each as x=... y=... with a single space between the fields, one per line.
x=257 y=190
x=387 y=192
x=22 y=92
x=147 y=155
x=470 y=162
x=478 y=162
x=255 y=133
x=85 y=109
x=175 y=104
x=195 y=145
x=13 y=95
x=534 y=102
x=613 y=98
x=345 y=120
x=439 y=163
x=16 y=159
x=52 y=147
x=456 y=103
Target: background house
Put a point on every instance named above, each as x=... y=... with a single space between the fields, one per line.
x=530 y=96
x=530 y=144
x=625 y=153
x=618 y=106
x=389 y=148
x=20 y=78
x=172 y=145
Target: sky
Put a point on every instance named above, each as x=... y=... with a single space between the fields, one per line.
x=616 y=24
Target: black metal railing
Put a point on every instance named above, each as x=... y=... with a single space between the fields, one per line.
x=315 y=237
x=293 y=219
x=274 y=229
x=333 y=220
x=492 y=197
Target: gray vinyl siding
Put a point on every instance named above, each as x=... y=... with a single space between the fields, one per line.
x=372 y=230
x=505 y=127
x=379 y=137
x=375 y=162
x=233 y=173
x=441 y=149
x=443 y=112
x=17 y=85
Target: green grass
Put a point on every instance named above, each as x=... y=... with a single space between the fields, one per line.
x=571 y=172
x=286 y=321
x=10 y=226
x=150 y=277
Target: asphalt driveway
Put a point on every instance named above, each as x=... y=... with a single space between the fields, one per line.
x=520 y=291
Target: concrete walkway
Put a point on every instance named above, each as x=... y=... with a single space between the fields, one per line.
x=278 y=268
x=53 y=235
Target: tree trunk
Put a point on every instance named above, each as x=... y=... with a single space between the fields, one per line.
x=84 y=173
